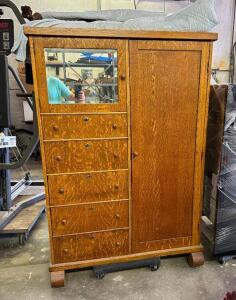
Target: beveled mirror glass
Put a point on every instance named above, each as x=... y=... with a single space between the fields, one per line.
x=81 y=76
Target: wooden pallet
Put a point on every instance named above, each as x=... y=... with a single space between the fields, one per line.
x=23 y=222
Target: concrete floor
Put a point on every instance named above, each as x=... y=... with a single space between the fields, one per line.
x=24 y=275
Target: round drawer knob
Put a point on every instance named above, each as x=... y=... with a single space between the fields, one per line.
x=117 y=186
x=65 y=250
x=118 y=244
x=86 y=119
x=117 y=216
x=87 y=145
x=115 y=156
x=114 y=126
x=58 y=158
x=122 y=77
x=55 y=127
x=88 y=176
x=63 y=222
x=61 y=191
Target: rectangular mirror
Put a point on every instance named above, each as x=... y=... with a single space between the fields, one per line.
x=81 y=76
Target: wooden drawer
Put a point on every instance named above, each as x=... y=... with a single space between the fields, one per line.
x=84 y=156
x=88 y=187
x=90 y=246
x=89 y=217
x=84 y=126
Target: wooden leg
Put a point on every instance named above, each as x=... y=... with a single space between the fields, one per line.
x=57 y=279
x=195 y=259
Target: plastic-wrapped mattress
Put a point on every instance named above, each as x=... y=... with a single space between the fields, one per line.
x=198 y=16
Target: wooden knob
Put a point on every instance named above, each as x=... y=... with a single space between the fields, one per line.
x=117 y=186
x=122 y=77
x=114 y=126
x=118 y=244
x=58 y=158
x=65 y=250
x=61 y=191
x=117 y=216
x=135 y=154
x=55 y=127
x=86 y=119
x=63 y=222
x=115 y=155
x=88 y=176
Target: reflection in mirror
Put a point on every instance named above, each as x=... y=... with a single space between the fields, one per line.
x=84 y=76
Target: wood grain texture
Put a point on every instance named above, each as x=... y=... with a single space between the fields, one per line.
x=84 y=126
x=201 y=139
x=124 y=258
x=164 y=122
x=76 y=156
x=88 y=187
x=106 y=33
x=90 y=217
x=57 y=279
x=37 y=87
x=68 y=43
x=195 y=259
x=90 y=246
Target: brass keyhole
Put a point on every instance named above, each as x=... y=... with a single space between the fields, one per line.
x=86 y=119
x=87 y=145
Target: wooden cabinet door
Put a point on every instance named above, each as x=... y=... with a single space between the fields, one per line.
x=169 y=87
x=97 y=67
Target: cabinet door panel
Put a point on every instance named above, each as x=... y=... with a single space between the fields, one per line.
x=164 y=107
x=94 y=67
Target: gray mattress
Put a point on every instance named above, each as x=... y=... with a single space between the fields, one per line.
x=199 y=16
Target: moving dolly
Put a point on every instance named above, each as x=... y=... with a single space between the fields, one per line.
x=9 y=209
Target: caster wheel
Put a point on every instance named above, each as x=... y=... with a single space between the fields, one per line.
x=100 y=275
x=154 y=268
x=22 y=239
x=221 y=260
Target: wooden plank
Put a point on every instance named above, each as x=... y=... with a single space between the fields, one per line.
x=124 y=258
x=137 y=34
x=24 y=220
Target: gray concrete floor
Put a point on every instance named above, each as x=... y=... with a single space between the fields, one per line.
x=24 y=276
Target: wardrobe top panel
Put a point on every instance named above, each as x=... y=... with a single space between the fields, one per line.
x=126 y=34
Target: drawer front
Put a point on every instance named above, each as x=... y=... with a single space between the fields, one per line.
x=90 y=246
x=84 y=156
x=89 y=217
x=84 y=126
x=88 y=187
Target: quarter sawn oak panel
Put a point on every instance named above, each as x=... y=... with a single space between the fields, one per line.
x=84 y=156
x=84 y=126
x=76 y=188
x=90 y=246
x=90 y=217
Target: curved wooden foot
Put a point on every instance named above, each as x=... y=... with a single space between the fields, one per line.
x=57 y=279
x=195 y=259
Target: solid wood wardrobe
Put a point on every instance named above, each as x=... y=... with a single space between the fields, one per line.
x=123 y=171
